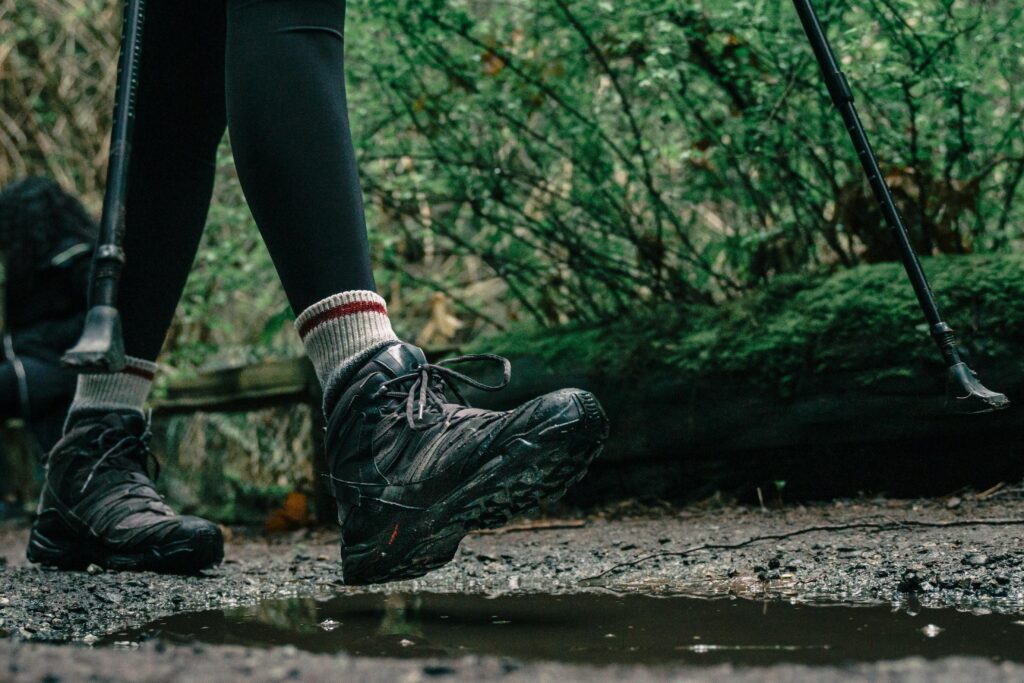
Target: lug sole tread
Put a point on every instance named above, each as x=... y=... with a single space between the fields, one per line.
x=488 y=501
x=181 y=557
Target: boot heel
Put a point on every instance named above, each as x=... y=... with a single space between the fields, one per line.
x=49 y=545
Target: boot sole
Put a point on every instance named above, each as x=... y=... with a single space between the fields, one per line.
x=188 y=556
x=517 y=482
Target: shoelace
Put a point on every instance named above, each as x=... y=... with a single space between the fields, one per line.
x=428 y=382
x=126 y=446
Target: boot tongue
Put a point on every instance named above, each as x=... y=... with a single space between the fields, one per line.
x=77 y=470
x=130 y=421
x=399 y=359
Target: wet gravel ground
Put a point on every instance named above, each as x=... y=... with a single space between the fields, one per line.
x=870 y=551
x=52 y=664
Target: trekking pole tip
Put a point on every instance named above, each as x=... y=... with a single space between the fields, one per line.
x=967 y=396
x=100 y=349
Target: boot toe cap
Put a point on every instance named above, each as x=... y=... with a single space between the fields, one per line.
x=564 y=414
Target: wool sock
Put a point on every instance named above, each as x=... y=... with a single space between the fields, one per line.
x=124 y=391
x=341 y=333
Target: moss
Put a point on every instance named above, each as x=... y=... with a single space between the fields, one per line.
x=863 y=322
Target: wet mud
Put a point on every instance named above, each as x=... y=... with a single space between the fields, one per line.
x=593 y=628
x=880 y=556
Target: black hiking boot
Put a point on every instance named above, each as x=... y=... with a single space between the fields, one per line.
x=98 y=506
x=413 y=473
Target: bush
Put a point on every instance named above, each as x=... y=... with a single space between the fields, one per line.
x=569 y=161
x=863 y=323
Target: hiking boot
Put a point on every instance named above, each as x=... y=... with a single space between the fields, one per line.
x=99 y=506
x=414 y=472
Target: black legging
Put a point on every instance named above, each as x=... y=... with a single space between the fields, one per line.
x=50 y=388
x=272 y=71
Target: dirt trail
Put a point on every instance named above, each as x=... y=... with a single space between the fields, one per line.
x=965 y=564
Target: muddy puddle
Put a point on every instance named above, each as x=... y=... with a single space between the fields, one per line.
x=595 y=628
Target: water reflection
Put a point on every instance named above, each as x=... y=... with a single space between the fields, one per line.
x=595 y=628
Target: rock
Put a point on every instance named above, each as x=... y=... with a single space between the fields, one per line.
x=94 y=569
x=439 y=670
x=910 y=582
x=976 y=560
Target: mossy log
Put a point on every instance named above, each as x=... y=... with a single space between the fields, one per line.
x=832 y=382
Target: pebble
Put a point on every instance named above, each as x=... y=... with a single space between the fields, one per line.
x=910 y=583
x=439 y=670
x=329 y=624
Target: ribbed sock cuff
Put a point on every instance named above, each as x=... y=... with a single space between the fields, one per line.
x=341 y=332
x=120 y=391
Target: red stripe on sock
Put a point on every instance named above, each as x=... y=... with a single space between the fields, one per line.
x=139 y=372
x=340 y=312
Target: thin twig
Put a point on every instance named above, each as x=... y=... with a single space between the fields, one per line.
x=539 y=525
x=880 y=526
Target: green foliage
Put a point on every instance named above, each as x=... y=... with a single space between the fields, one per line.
x=561 y=161
x=862 y=323
x=56 y=89
x=593 y=153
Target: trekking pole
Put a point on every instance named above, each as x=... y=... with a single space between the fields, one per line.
x=101 y=346
x=964 y=393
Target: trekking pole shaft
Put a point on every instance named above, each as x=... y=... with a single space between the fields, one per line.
x=101 y=346
x=109 y=258
x=842 y=97
x=964 y=392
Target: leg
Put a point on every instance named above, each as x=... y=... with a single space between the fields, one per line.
x=290 y=134
x=180 y=120
x=10 y=406
x=288 y=120
x=48 y=387
x=10 y=392
x=98 y=504
x=412 y=471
